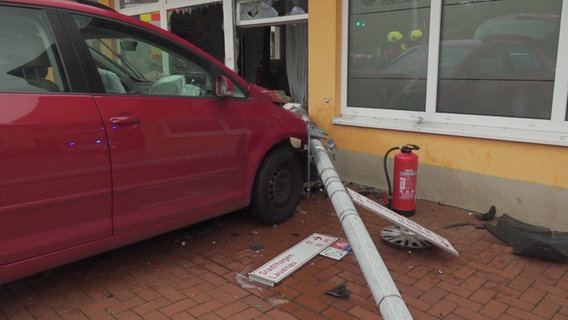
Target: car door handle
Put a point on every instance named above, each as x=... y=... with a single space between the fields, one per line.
x=124 y=120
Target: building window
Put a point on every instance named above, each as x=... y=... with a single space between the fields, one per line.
x=462 y=63
x=263 y=9
x=123 y=4
x=388 y=52
x=498 y=58
x=270 y=12
x=201 y=25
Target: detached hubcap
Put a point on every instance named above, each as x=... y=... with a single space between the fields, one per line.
x=403 y=237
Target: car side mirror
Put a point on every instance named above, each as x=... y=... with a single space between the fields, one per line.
x=224 y=87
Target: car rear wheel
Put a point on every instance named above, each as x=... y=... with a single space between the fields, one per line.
x=278 y=187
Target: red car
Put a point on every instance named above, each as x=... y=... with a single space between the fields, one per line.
x=113 y=130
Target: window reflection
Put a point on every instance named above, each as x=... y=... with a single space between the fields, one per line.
x=506 y=60
x=496 y=57
x=388 y=54
x=29 y=59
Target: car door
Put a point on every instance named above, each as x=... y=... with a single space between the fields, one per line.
x=176 y=148
x=55 y=188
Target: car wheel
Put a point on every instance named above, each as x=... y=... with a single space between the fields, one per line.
x=278 y=186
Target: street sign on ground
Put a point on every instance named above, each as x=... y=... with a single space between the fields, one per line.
x=402 y=221
x=275 y=270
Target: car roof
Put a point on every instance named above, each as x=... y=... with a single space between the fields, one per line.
x=94 y=8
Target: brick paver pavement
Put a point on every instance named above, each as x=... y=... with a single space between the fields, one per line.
x=192 y=274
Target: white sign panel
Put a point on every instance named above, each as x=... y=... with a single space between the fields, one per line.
x=291 y=260
x=337 y=250
x=402 y=221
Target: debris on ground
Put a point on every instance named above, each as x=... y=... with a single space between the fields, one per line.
x=488 y=216
x=315 y=186
x=246 y=283
x=204 y=228
x=274 y=301
x=368 y=191
x=339 y=291
x=531 y=240
x=459 y=224
x=256 y=246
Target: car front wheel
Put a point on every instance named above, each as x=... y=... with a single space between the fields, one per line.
x=278 y=187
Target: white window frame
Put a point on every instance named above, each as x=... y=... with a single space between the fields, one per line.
x=551 y=132
x=297 y=18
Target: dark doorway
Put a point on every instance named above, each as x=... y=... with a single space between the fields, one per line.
x=262 y=57
x=201 y=25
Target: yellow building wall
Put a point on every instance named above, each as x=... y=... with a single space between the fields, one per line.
x=109 y=3
x=540 y=164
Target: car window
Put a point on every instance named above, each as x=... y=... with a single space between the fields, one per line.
x=133 y=62
x=29 y=61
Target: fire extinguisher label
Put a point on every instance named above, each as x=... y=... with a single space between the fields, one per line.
x=407 y=185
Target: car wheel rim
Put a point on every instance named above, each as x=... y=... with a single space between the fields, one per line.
x=403 y=237
x=280 y=186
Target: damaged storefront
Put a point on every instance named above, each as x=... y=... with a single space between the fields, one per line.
x=265 y=41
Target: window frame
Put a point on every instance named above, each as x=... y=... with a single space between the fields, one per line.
x=95 y=81
x=550 y=132
x=261 y=22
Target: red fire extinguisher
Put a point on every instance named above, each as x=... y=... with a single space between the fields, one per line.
x=403 y=201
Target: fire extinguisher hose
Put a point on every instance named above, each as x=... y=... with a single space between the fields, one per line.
x=387 y=172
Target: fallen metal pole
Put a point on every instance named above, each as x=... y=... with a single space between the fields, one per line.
x=387 y=297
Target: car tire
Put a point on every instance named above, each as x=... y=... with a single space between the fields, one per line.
x=277 y=187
